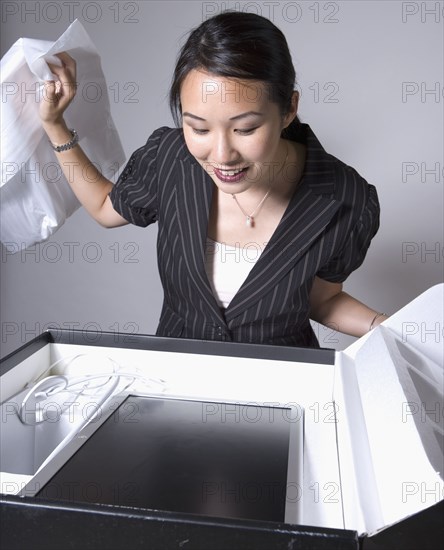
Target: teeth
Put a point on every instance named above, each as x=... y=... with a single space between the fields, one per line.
x=231 y=172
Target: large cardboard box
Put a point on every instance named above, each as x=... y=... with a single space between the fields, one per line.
x=373 y=445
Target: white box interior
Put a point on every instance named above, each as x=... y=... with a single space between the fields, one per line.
x=306 y=385
x=373 y=421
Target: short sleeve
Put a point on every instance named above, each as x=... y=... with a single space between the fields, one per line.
x=134 y=195
x=353 y=252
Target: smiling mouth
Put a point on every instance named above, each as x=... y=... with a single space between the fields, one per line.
x=230 y=176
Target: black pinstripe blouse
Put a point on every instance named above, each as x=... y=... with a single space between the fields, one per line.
x=325 y=231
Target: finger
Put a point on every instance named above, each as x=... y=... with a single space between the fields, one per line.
x=68 y=65
x=65 y=80
x=62 y=71
x=49 y=91
x=66 y=58
x=58 y=92
x=67 y=62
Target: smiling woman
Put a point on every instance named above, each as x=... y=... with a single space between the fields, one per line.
x=238 y=142
x=239 y=170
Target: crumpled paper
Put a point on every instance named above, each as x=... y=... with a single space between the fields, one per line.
x=35 y=196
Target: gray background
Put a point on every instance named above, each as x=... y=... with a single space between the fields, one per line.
x=371 y=78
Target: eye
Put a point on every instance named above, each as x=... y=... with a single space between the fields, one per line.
x=199 y=131
x=246 y=132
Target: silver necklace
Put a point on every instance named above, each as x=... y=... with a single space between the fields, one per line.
x=249 y=218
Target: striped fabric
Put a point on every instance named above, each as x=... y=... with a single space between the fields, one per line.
x=325 y=231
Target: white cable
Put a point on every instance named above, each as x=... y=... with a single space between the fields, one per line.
x=52 y=385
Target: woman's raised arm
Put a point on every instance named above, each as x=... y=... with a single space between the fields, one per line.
x=88 y=184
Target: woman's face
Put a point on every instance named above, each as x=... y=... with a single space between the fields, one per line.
x=233 y=130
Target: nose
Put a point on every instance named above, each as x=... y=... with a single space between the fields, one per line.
x=223 y=152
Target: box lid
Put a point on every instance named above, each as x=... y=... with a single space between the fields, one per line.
x=390 y=432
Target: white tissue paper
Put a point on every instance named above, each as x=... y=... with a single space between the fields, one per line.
x=35 y=196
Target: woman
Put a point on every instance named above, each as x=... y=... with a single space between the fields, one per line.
x=258 y=225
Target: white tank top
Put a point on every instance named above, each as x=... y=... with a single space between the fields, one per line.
x=227 y=268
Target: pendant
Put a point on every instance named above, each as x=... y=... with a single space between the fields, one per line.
x=250 y=221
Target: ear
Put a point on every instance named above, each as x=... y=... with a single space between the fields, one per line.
x=291 y=115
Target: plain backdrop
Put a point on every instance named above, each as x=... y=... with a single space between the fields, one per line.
x=371 y=78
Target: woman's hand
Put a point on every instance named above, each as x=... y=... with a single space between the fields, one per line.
x=58 y=94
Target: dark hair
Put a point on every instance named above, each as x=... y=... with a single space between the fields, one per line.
x=237 y=45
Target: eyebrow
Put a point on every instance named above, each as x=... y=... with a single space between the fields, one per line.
x=237 y=117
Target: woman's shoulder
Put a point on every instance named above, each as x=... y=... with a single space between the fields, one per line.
x=329 y=175
x=164 y=146
x=356 y=194
x=345 y=174
x=168 y=141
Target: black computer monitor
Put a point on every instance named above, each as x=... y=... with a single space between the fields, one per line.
x=219 y=459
